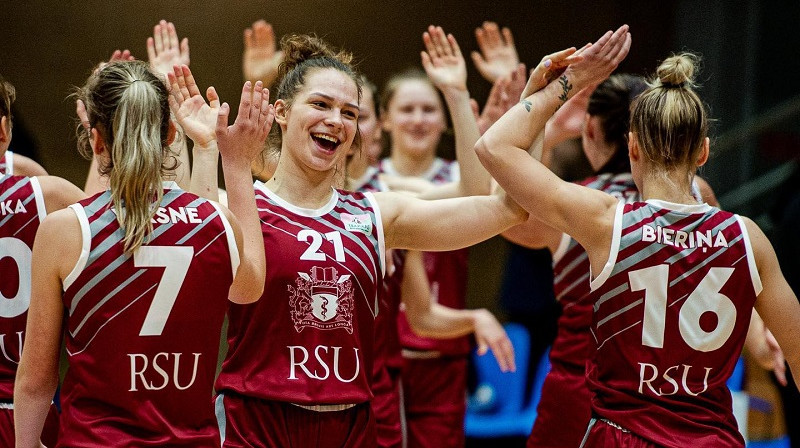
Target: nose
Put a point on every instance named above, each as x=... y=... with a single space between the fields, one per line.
x=417 y=116
x=334 y=119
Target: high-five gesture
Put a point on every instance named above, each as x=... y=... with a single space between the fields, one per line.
x=249 y=131
x=163 y=49
x=197 y=117
x=598 y=60
x=498 y=56
x=442 y=60
x=261 y=58
x=503 y=96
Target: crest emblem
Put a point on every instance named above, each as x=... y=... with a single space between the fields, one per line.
x=323 y=300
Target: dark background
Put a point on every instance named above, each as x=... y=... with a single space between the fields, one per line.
x=750 y=54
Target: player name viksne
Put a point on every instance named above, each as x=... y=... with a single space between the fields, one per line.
x=679 y=238
x=12 y=207
x=164 y=215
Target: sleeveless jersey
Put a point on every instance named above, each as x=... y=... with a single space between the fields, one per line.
x=387 y=341
x=142 y=331
x=21 y=211
x=671 y=312
x=447 y=274
x=309 y=340
x=7 y=163
x=574 y=345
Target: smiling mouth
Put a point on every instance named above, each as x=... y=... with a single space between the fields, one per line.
x=326 y=142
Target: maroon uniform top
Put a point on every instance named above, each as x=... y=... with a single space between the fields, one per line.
x=387 y=340
x=447 y=274
x=574 y=345
x=142 y=331
x=309 y=340
x=671 y=312
x=7 y=163
x=21 y=211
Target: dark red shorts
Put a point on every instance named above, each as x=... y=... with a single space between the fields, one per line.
x=386 y=407
x=602 y=434
x=564 y=411
x=434 y=398
x=49 y=433
x=252 y=422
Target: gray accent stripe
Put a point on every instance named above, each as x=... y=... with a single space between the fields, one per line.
x=197 y=228
x=222 y=420
x=571 y=266
x=22 y=227
x=25 y=201
x=108 y=297
x=17 y=185
x=618 y=312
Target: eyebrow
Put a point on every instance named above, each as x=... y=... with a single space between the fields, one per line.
x=328 y=97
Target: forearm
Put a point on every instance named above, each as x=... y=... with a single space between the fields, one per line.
x=204 y=175
x=31 y=406
x=441 y=322
x=451 y=224
x=474 y=180
x=242 y=203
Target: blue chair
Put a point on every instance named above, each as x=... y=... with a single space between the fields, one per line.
x=508 y=416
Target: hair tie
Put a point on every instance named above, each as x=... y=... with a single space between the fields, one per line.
x=673 y=86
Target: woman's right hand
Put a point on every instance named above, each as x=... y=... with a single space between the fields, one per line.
x=261 y=58
x=250 y=129
x=443 y=61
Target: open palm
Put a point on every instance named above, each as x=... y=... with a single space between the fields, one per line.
x=443 y=61
x=197 y=117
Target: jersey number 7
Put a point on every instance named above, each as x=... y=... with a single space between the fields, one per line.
x=176 y=261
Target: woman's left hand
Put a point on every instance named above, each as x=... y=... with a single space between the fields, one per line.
x=443 y=61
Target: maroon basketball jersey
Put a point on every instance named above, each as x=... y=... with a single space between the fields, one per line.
x=447 y=274
x=671 y=312
x=574 y=344
x=142 y=330
x=387 y=341
x=309 y=340
x=7 y=163
x=21 y=210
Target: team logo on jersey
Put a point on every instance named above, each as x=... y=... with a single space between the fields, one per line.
x=322 y=300
x=357 y=223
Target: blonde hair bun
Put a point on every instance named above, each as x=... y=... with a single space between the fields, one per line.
x=678 y=70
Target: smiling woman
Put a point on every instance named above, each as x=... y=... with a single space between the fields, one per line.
x=299 y=362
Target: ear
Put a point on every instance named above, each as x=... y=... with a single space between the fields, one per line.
x=97 y=143
x=280 y=113
x=703 y=158
x=5 y=130
x=171 y=132
x=633 y=148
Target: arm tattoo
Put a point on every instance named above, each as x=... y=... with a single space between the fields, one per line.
x=527 y=105
x=565 y=88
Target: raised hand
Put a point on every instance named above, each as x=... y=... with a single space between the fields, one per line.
x=251 y=127
x=549 y=68
x=261 y=58
x=197 y=117
x=442 y=60
x=498 y=55
x=163 y=50
x=599 y=59
x=503 y=96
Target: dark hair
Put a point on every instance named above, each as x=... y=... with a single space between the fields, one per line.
x=669 y=120
x=611 y=104
x=127 y=105
x=301 y=53
x=7 y=97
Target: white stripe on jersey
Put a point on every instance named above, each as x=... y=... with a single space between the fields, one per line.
x=86 y=241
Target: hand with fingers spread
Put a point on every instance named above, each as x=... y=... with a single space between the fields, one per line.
x=503 y=96
x=197 y=117
x=598 y=60
x=251 y=127
x=490 y=335
x=498 y=55
x=163 y=49
x=443 y=61
x=261 y=58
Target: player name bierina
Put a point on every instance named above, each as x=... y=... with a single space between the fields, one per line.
x=679 y=238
